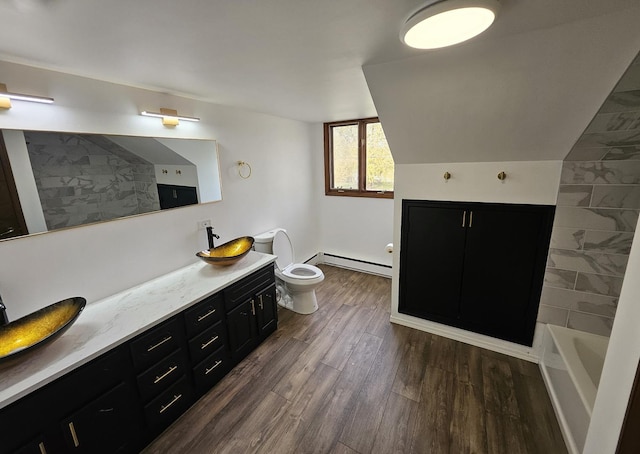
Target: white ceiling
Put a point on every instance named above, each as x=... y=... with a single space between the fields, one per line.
x=525 y=98
x=299 y=59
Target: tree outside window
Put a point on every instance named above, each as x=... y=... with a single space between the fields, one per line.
x=358 y=161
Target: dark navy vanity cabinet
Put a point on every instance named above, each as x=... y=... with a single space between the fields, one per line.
x=122 y=400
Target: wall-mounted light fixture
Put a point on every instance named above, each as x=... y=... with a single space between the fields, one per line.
x=169 y=117
x=447 y=22
x=6 y=96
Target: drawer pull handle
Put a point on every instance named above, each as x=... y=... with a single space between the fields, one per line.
x=253 y=307
x=171 y=369
x=464 y=217
x=153 y=347
x=213 y=339
x=206 y=372
x=43 y=450
x=471 y=220
x=74 y=436
x=175 y=399
x=202 y=317
x=260 y=303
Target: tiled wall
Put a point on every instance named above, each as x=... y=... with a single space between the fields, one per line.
x=88 y=179
x=596 y=216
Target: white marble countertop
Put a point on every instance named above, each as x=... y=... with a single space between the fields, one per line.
x=109 y=322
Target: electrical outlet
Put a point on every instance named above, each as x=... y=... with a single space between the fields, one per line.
x=204 y=224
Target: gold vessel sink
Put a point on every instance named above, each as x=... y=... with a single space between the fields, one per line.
x=228 y=253
x=40 y=327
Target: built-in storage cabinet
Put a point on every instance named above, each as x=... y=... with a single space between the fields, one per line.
x=171 y=196
x=476 y=266
x=122 y=400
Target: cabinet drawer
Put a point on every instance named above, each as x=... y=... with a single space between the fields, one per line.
x=103 y=373
x=169 y=405
x=157 y=344
x=211 y=370
x=207 y=342
x=203 y=315
x=239 y=292
x=161 y=375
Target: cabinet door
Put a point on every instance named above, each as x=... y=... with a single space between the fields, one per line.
x=241 y=325
x=267 y=311
x=104 y=425
x=506 y=249
x=432 y=252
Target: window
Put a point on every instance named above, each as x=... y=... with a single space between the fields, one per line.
x=357 y=159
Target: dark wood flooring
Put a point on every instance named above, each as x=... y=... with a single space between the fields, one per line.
x=345 y=380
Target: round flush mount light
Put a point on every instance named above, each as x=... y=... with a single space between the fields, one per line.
x=448 y=22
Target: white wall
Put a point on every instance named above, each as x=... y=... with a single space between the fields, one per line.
x=98 y=260
x=620 y=364
x=354 y=227
x=526 y=182
x=525 y=98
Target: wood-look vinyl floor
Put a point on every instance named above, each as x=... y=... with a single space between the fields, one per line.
x=345 y=380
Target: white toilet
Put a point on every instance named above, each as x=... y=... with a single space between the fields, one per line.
x=296 y=281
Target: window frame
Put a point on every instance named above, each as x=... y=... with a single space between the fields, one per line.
x=361 y=191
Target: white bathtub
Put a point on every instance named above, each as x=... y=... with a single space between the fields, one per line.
x=571 y=366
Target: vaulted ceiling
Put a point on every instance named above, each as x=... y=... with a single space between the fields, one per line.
x=304 y=60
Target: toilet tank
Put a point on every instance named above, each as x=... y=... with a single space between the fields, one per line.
x=264 y=241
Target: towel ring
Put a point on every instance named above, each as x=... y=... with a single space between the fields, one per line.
x=241 y=165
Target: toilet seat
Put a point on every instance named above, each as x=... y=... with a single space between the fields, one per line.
x=301 y=271
x=298 y=271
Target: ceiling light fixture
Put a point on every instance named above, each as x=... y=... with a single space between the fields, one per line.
x=169 y=117
x=448 y=22
x=6 y=96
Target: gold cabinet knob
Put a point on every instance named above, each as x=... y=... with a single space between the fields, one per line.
x=447 y=175
x=502 y=176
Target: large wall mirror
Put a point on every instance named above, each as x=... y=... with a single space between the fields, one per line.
x=56 y=180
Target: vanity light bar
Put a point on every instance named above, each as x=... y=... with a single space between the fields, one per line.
x=168 y=114
x=4 y=93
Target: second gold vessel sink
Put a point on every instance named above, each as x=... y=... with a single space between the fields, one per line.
x=228 y=253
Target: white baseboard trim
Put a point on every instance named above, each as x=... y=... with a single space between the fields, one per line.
x=531 y=354
x=355 y=264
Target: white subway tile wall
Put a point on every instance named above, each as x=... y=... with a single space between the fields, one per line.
x=597 y=211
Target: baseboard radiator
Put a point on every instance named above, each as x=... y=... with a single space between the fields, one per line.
x=351 y=263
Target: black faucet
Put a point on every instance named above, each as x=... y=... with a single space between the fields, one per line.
x=3 y=313
x=211 y=236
